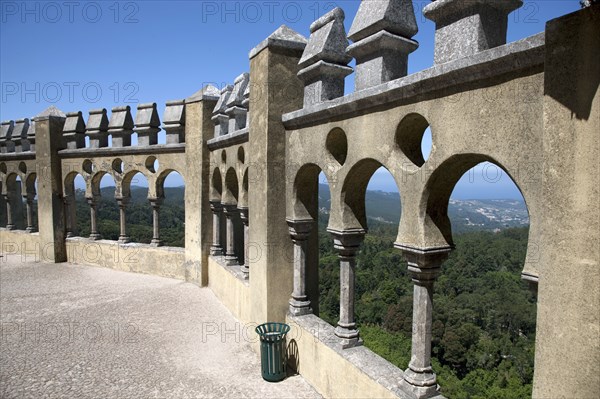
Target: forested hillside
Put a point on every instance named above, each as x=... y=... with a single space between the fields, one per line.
x=483 y=319
x=138 y=216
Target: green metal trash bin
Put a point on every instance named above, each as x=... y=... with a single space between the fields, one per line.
x=272 y=350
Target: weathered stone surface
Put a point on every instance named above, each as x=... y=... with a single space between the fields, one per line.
x=324 y=59
x=284 y=40
x=220 y=117
x=239 y=87
x=97 y=128
x=327 y=40
x=246 y=101
x=393 y=16
x=147 y=124
x=381 y=32
x=323 y=82
x=380 y=58
x=174 y=121
x=74 y=130
x=51 y=111
x=121 y=126
x=235 y=108
x=31 y=135
x=464 y=28
x=208 y=92
x=20 y=133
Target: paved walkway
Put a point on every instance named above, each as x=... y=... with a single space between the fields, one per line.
x=83 y=332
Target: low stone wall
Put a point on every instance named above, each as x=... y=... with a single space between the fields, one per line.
x=230 y=288
x=14 y=242
x=314 y=351
x=137 y=258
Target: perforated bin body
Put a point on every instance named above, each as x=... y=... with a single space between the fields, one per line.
x=272 y=350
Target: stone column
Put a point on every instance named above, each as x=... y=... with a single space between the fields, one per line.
x=217 y=210
x=230 y=213
x=347 y=243
x=245 y=221
x=424 y=268
x=10 y=225
x=156 y=203
x=123 y=202
x=92 y=202
x=70 y=210
x=300 y=231
x=31 y=228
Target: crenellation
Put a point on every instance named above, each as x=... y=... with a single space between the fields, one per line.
x=234 y=107
x=464 y=28
x=324 y=60
x=220 y=117
x=174 y=121
x=97 y=128
x=19 y=135
x=147 y=124
x=6 y=143
x=31 y=135
x=120 y=126
x=382 y=32
x=74 y=130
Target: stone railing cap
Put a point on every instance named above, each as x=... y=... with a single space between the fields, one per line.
x=174 y=114
x=333 y=15
x=147 y=116
x=328 y=42
x=74 y=123
x=208 y=92
x=223 y=98
x=51 y=111
x=237 y=95
x=121 y=118
x=441 y=10
x=283 y=38
x=97 y=121
x=395 y=16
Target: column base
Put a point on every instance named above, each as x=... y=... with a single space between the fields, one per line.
x=95 y=236
x=422 y=385
x=349 y=337
x=231 y=260
x=299 y=308
x=124 y=239
x=216 y=251
x=246 y=271
x=31 y=230
x=11 y=227
x=70 y=234
x=156 y=243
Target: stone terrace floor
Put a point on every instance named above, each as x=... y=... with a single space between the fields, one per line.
x=84 y=332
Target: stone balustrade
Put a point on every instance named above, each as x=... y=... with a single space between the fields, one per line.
x=251 y=163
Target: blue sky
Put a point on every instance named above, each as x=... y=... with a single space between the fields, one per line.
x=80 y=55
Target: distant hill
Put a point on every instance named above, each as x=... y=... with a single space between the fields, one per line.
x=465 y=215
x=384 y=207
